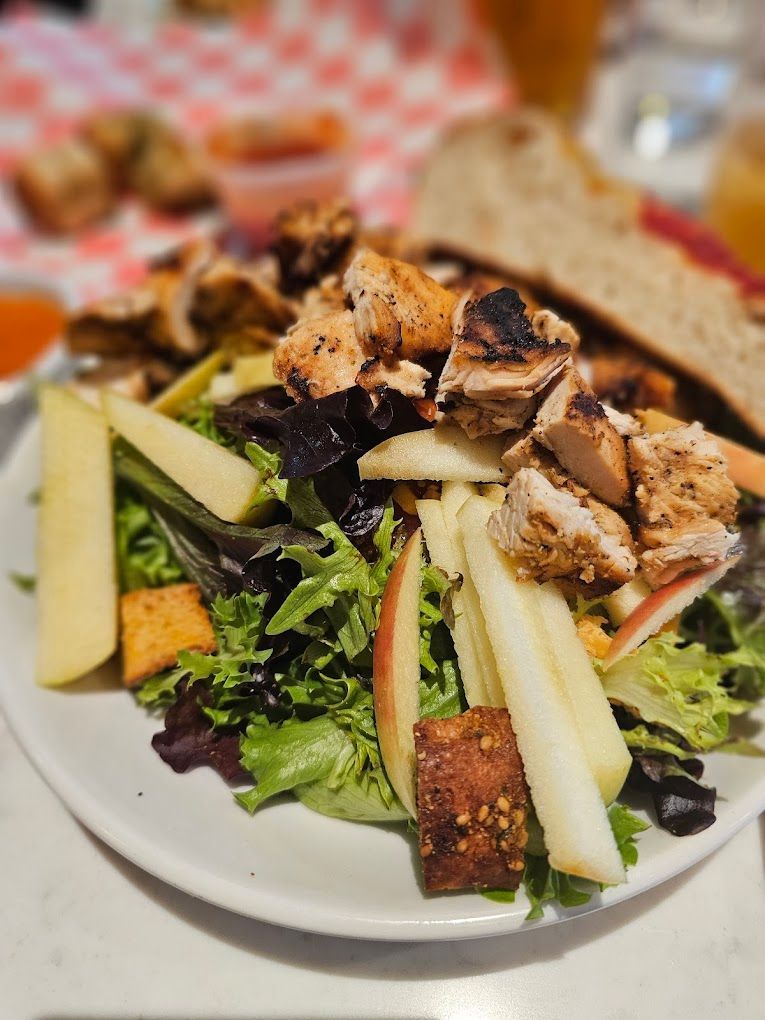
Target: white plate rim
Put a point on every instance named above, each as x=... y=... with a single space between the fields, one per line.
x=107 y=826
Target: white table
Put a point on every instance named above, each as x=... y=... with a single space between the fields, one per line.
x=84 y=934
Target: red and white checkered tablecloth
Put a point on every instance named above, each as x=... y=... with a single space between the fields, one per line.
x=398 y=71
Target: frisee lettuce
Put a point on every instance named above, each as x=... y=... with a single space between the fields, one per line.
x=679 y=688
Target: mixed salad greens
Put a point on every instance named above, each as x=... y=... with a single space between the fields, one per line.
x=286 y=701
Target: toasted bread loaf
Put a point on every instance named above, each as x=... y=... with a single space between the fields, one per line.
x=510 y=189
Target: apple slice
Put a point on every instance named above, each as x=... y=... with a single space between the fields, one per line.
x=745 y=467
x=599 y=732
x=396 y=671
x=254 y=372
x=439 y=454
x=187 y=387
x=77 y=577
x=453 y=496
x=218 y=479
x=626 y=599
x=566 y=797
x=442 y=554
x=662 y=606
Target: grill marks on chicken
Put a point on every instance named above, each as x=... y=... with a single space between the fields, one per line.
x=499 y=360
x=685 y=501
x=312 y=240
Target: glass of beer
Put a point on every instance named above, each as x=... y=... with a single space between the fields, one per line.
x=736 y=203
x=550 y=46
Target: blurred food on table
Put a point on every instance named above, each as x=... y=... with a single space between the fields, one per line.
x=550 y=48
x=736 y=203
x=76 y=182
x=262 y=164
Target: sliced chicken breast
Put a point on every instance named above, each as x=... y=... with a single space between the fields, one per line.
x=687 y=547
x=319 y=356
x=398 y=310
x=551 y=535
x=572 y=423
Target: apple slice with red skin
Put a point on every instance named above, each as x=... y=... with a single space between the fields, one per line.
x=663 y=605
x=396 y=671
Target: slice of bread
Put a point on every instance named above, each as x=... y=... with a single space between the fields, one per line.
x=511 y=189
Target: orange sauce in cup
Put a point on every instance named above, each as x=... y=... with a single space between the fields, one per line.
x=251 y=141
x=29 y=322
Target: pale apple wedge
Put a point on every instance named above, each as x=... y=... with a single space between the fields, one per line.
x=601 y=737
x=439 y=454
x=189 y=386
x=453 y=496
x=396 y=671
x=626 y=599
x=442 y=554
x=745 y=467
x=566 y=797
x=218 y=479
x=254 y=372
x=662 y=606
x=76 y=567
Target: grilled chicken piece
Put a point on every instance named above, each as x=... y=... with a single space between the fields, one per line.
x=685 y=501
x=625 y=424
x=311 y=241
x=398 y=311
x=327 y=296
x=680 y=475
x=489 y=417
x=551 y=535
x=319 y=356
x=134 y=377
x=522 y=450
x=628 y=383
x=231 y=296
x=405 y=376
x=174 y=291
x=496 y=353
x=687 y=547
x=572 y=423
x=114 y=326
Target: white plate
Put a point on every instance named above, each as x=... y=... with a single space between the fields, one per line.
x=286 y=865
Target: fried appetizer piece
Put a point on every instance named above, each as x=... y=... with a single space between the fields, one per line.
x=65 y=187
x=398 y=311
x=170 y=174
x=572 y=424
x=312 y=240
x=551 y=534
x=119 y=136
x=499 y=360
x=472 y=801
x=685 y=501
x=156 y=624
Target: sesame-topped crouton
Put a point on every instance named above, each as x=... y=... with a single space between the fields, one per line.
x=156 y=624
x=472 y=801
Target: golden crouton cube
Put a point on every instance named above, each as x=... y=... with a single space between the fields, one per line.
x=156 y=624
x=472 y=801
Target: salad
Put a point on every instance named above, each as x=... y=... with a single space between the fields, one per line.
x=386 y=550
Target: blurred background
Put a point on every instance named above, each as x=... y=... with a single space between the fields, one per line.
x=127 y=126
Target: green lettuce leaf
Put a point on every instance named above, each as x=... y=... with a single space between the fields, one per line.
x=679 y=688
x=441 y=693
x=357 y=800
x=144 y=556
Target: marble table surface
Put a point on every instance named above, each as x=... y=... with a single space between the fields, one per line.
x=84 y=934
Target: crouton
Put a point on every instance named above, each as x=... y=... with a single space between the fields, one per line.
x=156 y=624
x=472 y=801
